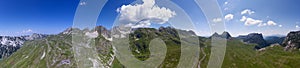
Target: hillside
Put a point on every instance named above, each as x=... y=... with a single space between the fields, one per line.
x=10 y=44
x=56 y=51
x=241 y=55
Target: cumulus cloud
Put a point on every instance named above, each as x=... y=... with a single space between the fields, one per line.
x=247 y=11
x=271 y=23
x=262 y=24
x=225 y=3
x=82 y=3
x=142 y=15
x=251 y=21
x=297 y=26
x=243 y=18
x=229 y=17
x=141 y=24
x=279 y=25
x=217 y=20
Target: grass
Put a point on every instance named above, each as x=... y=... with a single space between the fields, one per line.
x=238 y=54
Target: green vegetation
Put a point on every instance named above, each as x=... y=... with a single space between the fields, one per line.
x=57 y=48
x=241 y=55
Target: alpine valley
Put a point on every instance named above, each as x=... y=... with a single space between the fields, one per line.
x=56 y=51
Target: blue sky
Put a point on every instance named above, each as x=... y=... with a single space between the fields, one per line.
x=21 y=17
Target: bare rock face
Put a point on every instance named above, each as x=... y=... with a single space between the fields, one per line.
x=103 y=31
x=10 y=44
x=292 y=41
x=224 y=35
x=254 y=38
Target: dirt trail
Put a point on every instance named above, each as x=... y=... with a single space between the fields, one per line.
x=202 y=50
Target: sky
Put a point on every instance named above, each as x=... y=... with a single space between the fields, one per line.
x=269 y=17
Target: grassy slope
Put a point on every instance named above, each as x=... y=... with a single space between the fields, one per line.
x=240 y=55
x=56 y=48
x=29 y=56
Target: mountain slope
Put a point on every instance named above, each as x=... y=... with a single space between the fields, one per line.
x=54 y=51
x=9 y=44
x=292 y=41
x=241 y=55
x=254 y=38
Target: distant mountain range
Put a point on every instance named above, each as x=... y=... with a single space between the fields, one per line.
x=9 y=44
x=56 y=50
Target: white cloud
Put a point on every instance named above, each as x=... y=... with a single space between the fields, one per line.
x=217 y=20
x=251 y=21
x=141 y=24
x=247 y=11
x=82 y=3
x=271 y=23
x=243 y=18
x=229 y=17
x=262 y=24
x=225 y=3
x=141 y=15
x=279 y=25
x=297 y=26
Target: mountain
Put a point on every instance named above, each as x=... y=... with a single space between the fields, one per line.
x=254 y=38
x=225 y=35
x=215 y=35
x=141 y=38
x=274 y=39
x=292 y=41
x=11 y=44
x=103 y=31
x=56 y=50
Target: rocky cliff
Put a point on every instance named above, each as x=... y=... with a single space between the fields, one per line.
x=292 y=41
x=10 y=44
x=254 y=38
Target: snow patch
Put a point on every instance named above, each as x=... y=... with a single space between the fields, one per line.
x=26 y=57
x=95 y=63
x=43 y=55
x=92 y=34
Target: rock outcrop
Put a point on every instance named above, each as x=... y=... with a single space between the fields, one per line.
x=254 y=38
x=292 y=41
x=225 y=35
x=10 y=44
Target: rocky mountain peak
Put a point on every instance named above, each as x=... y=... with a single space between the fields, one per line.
x=226 y=35
x=292 y=41
x=215 y=34
x=10 y=44
x=104 y=32
x=255 y=38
